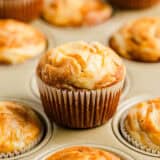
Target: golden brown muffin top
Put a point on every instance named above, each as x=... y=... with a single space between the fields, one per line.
x=143 y=123
x=83 y=153
x=19 y=127
x=81 y=65
x=19 y=41
x=138 y=40
x=76 y=12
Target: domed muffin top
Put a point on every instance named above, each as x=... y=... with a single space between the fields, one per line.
x=81 y=65
x=83 y=153
x=143 y=123
x=19 y=127
x=138 y=40
x=19 y=42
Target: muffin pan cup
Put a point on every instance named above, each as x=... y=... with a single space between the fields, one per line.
x=80 y=108
x=46 y=131
x=121 y=132
x=115 y=151
x=134 y=142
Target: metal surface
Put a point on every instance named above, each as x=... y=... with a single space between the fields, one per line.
x=144 y=78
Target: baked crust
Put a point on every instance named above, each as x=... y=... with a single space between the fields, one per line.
x=19 y=42
x=19 y=127
x=142 y=123
x=85 y=153
x=76 y=13
x=138 y=40
x=81 y=65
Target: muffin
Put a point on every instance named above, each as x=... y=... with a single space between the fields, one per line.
x=138 y=40
x=134 y=4
x=20 y=129
x=140 y=126
x=25 y=10
x=19 y=42
x=82 y=80
x=83 y=153
x=76 y=13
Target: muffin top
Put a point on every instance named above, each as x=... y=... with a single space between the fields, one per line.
x=83 y=153
x=76 y=13
x=19 y=127
x=81 y=65
x=143 y=123
x=138 y=40
x=19 y=42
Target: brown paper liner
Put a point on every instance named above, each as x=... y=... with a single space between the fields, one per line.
x=81 y=108
x=134 y=4
x=24 y=10
x=154 y=150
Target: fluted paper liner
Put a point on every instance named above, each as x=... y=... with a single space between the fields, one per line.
x=26 y=149
x=20 y=9
x=134 y=4
x=80 y=108
x=133 y=141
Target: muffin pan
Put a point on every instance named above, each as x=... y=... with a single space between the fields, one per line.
x=143 y=79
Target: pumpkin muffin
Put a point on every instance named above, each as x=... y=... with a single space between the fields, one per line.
x=20 y=129
x=76 y=13
x=84 y=80
x=83 y=153
x=19 y=42
x=140 y=126
x=138 y=40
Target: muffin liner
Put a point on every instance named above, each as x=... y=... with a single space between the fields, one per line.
x=133 y=141
x=134 y=4
x=80 y=108
x=26 y=149
x=24 y=10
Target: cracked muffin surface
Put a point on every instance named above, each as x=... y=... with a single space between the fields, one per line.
x=138 y=40
x=19 y=42
x=142 y=123
x=83 y=153
x=76 y=13
x=19 y=127
x=81 y=65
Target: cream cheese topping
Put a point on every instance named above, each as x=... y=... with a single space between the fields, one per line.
x=19 y=41
x=83 y=65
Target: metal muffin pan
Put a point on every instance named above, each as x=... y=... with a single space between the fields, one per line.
x=145 y=77
x=48 y=128
x=117 y=152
